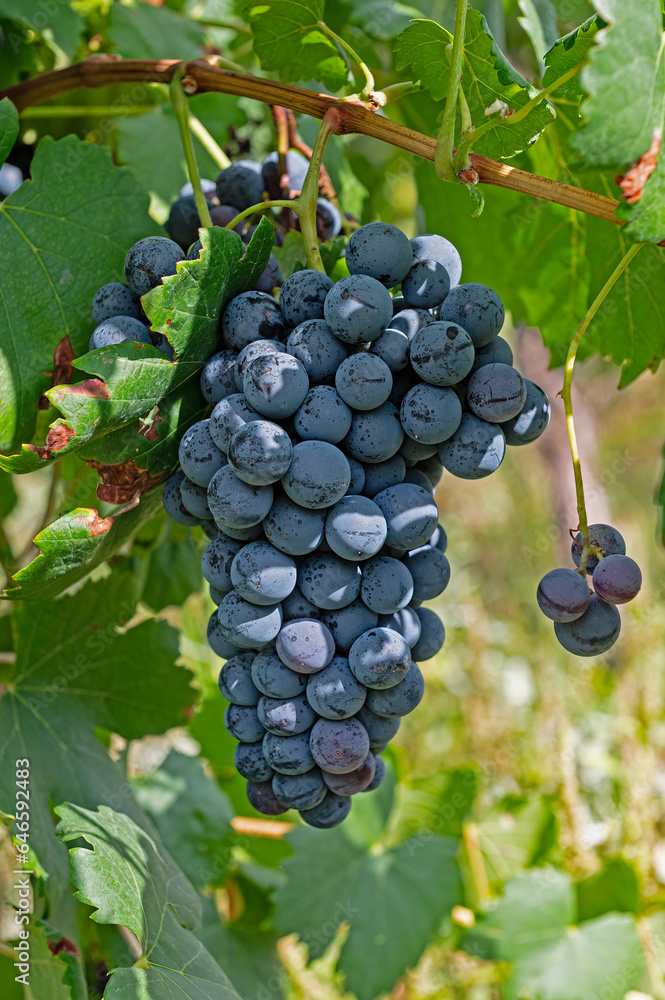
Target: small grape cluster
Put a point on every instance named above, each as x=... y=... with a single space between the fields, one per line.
x=587 y=622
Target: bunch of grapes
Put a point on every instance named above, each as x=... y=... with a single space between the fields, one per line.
x=587 y=622
x=335 y=410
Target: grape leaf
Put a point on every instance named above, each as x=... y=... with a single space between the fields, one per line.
x=382 y=18
x=174 y=572
x=130 y=882
x=248 y=953
x=626 y=82
x=614 y=888
x=130 y=379
x=74 y=544
x=56 y=22
x=487 y=77
x=192 y=817
x=566 y=53
x=394 y=900
x=511 y=834
x=144 y=31
x=288 y=41
x=58 y=976
x=62 y=235
x=74 y=671
x=8 y=128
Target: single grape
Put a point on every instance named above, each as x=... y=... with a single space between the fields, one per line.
x=115 y=299
x=332 y=811
x=355 y=528
x=563 y=595
x=498 y=351
x=380 y=658
x=364 y=381
x=357 y=484
x=303 y=294
x=305 y=645
x=355 y=781
x=218 y=376
x=426 y=285
x=375 y=435
x=439 y=539
x=235 y=503
x=323 y=416
x=207 y=186
x=275 y=385
x=475 y=450
x=318 y=476
x=235 y=680
x=358 y=308
x=381 y=251
x=334 y=692
x=393 y=348
x=300 y=791
x=379 y=773
x=496 y=393
x=242 y=721
x=328 y=581
x=416 y=451
x=288 y=754
x=316 y=348
x=419 y=478
x=604 y=537
x=347 y=624
x=263 y=799
x=380 y=476
x=260 y=452
x=240 y=185
x=432 y=635
x=328 y=219
x=257 y=349
x=430 y=414
x=442 y=353
x=532 y=419
x=296 y=170
x=617 y=579
x=270 y=277
x=119 y=330
x=592 y=633
x=262 y=574
x=247 y=625
x=274 y=678
x=402 y=382
x=251 y=763
x=216 y=595
x=199 y=456
x=183 y=222
x=379 y=729
x=476 y=308
x=251 y=316
x=411 y=515
x=411 y=321
x=387 y=585
x=218 y=641
x=195 y=499
x=149 y=260
x=239 y=534
x=430 y=571
x=216 y=562
x=228 y=416
x=297 y=606
x=401 y=699
x=406 y=622
x=285 y=716
x=432 y=468
x=339 y=746
x=292 y=529
x=430 y=246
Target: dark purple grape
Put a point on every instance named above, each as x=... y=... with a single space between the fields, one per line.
x=617 y=579
x=563 y=595
x=604 y=537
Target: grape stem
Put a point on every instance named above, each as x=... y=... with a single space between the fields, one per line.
x=588 y=548
x=181 y=108
x=261 y=206
x=364 y=69
x=210 y=145
x=306 y=202
x=443 y=157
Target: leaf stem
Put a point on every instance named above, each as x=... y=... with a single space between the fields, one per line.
x=261 y=206
x=443 y=157
x=210 y=145
x=306 y=203
x=238 y=26
x=181 y=108
x=364 y=69
x=566 y=396
x=88 y=111
x=394 y=91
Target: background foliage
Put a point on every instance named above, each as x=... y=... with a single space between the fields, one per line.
x=517 y=848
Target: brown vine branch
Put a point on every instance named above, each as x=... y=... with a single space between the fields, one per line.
x=297 y=142
x=354 y=117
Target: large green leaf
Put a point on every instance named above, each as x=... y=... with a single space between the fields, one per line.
x=130 y=882
x=511 y=836
x=614 y=888
x=393 y=899
x=192 y=816
x=57 y=22
x=62 y=235
x=247 y=954
x=75 y=671
x=487 y=77
x=626 y=80
x=288 y=41
x=8 y=127
x=75 y=543
x=567 y=53
x=144 y=31
x=130 y=379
